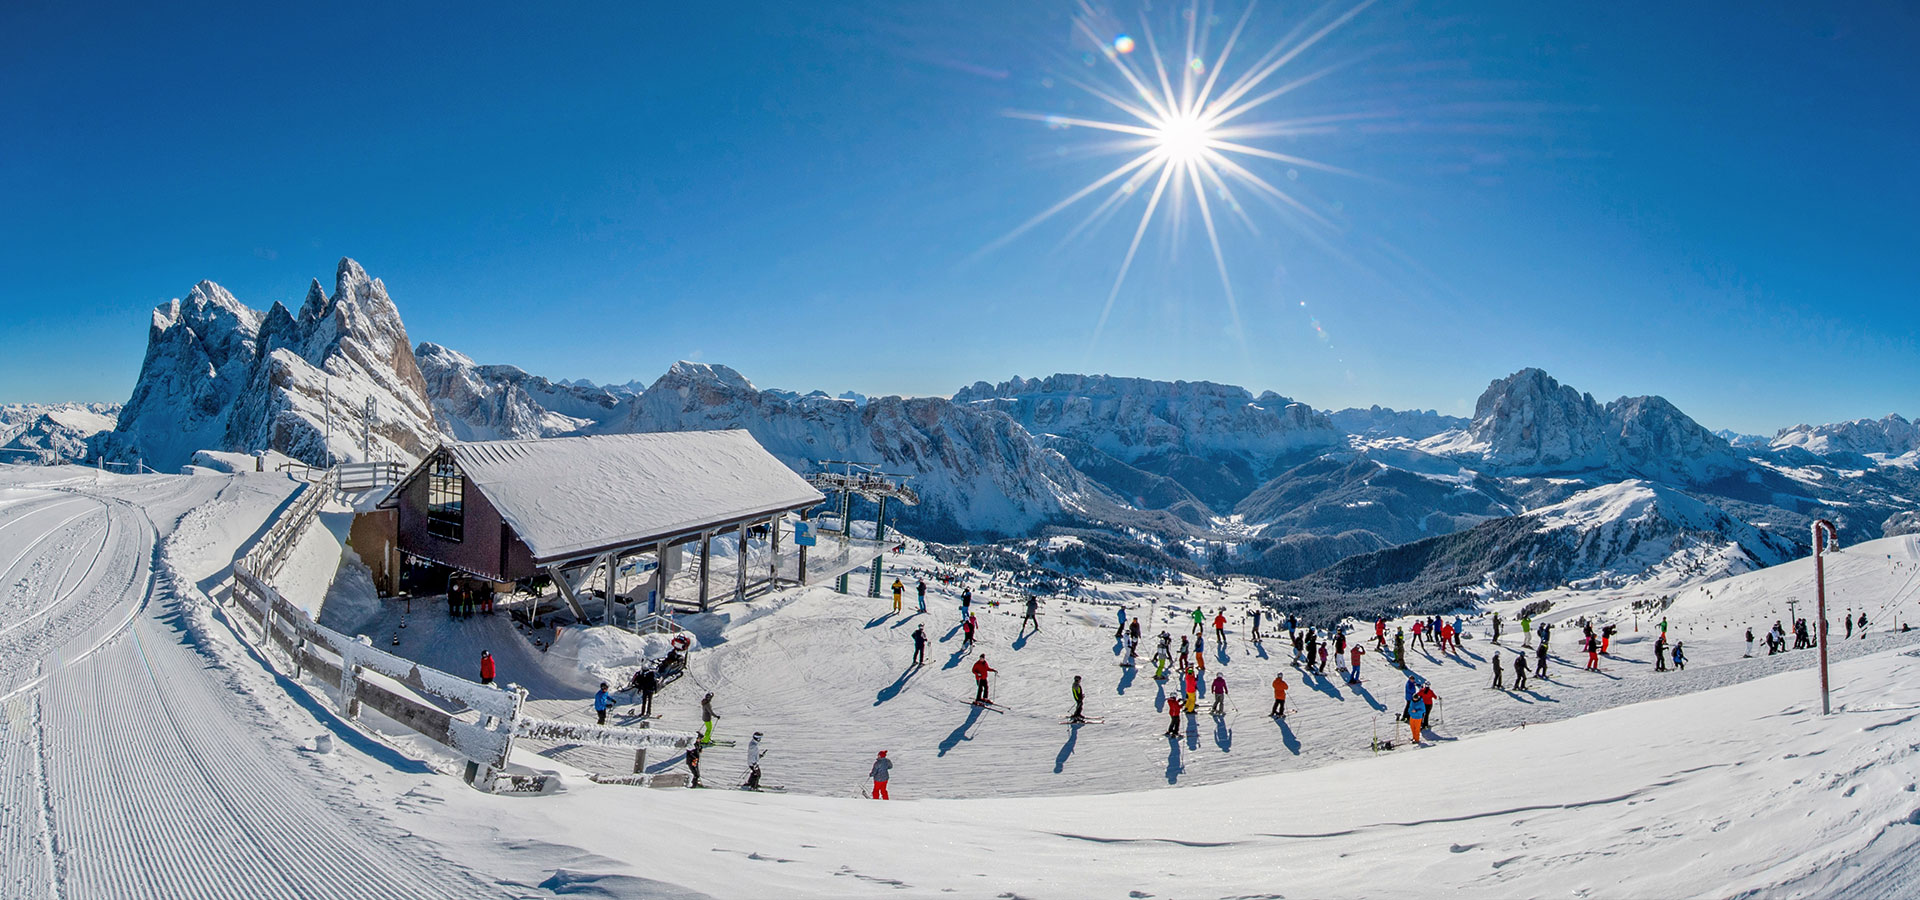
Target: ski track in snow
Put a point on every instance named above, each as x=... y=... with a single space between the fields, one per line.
x=128 y=769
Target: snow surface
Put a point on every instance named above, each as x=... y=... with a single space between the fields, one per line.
x=565 y=496
x=147 y=753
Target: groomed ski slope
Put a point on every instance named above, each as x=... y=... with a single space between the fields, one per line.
x=146 y=752
x=133 y=766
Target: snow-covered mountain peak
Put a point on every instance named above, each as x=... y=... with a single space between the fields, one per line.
x=1892 y=435
x=686 y=373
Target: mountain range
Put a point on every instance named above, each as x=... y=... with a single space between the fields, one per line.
x=1392 y=505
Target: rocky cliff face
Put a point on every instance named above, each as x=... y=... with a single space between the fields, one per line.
x=53 y=432
x=1530 y=424
x=1891 y=436
x=1218 y=441
x=1381 y=422
x=220 y=376
x=977 y=472
x=473 y=402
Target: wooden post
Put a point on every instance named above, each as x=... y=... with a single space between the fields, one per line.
x=706 y=558
x=640 y=754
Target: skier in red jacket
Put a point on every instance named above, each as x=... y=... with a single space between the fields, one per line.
x=486 y=667
x=980 y=670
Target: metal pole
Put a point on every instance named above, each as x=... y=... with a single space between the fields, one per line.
x=1820 y=601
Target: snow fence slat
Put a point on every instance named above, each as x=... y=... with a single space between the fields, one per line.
x=603 y=735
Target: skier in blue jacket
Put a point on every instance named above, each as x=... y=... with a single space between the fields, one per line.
x=601 y=702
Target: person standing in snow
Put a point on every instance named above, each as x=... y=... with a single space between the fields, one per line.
x=1353 y=674
x=1120 y=629
x=1339 y=643
x=1498 y=668
x=1032 y=617
x=602 y=701
x=966 y=603
x=1220 y=627
x=1079 y=702
x=1593 y=652
x=1606 y=637
x=1173 y=717
x=1192 y=691
x=1323 y=657
x=707 y=715
x=882 y=768
x=1519 y=671
x=980 y=670
x=754 y=752
x=693 y=765
x=1280 y=696
x=898 y=588
x=967 y=626
x=1380 y=635
x=1400 y=649
x=1219 y=695
x=1419 y=625
x=1540 y=654
x=1863 y=624
x=1184 y=651
x=644 y=684
x=920 y=645
x=1526 y=631
x=486 y=667
x=1413 y=687
x=920 y=588
x=1416 y=716
x=1749 y=642
x=1160 y=661
x=1199 y=617
x=1660 y=654
x=1254 y=614
x=1680 y=655
x=1496 y=628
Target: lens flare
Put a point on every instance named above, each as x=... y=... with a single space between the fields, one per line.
x=1190 y=132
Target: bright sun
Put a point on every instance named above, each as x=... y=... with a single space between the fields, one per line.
x=1183 y=138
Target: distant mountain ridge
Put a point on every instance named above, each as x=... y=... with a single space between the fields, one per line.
x=1196 y=471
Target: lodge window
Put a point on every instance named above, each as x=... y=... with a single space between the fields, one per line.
x=446 y=500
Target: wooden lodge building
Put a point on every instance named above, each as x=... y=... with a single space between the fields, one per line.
x=573 y=508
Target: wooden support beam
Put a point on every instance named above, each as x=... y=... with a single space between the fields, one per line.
x=560 y=581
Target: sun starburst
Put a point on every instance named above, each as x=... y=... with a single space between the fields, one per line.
x=1188 y=132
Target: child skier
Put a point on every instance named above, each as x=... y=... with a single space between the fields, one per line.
x=602 y=701
x=980 y=670
x=1280 y=696
x=1079 y=702
x=1219 y=696
x=882 y=769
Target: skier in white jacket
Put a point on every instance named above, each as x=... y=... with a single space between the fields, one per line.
x=753 y=762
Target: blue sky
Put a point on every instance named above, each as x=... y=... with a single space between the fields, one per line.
x=1712 y=202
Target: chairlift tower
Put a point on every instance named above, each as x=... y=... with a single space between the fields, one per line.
x=866 y=480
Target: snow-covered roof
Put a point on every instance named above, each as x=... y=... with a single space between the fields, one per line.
x=566 y=497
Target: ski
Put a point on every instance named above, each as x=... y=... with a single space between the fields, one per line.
x=1084 y=720
x=992 y=706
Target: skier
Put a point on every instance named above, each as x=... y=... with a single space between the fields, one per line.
x=601 y=701
x=1540 y=653
x=1353 y=674
x=1520 y=671
x=897 y=589
x=1079 y=702
x=1593 y=653
x=1496 y=628
x=1219 y=695
x=1749 y=642
x=920 y=587
x=1160 y=660
x=707 y=715
x=1498 y=668
x=967 y=626
x=966 y=603
x=1033 y=612
x=645 y=683
x=1606 y=637
x=1280 y=696
x=1220 y=626
x=1863 y=624
x=693 y=765
x=920 y=645
x=1339 y=643
x=1380 y=635
x=1418 y=626
x=1663 y=627
x=980 y=670
x=1846 y=620
x=754 y=752
x=1413 y=688
x=1254 y=614
x=1526 y=631
x=1192 y=686
x=1416 y=714
x=1173 y=717
x=1680 y=655
x=1120 y=630
x=1183 y=651
x=1199 y=621
x=1400 y=648
x=882 y=767
x=1660 y=654
x=1446 y=638
x=1323 y=657
x=486 y=667
x=1133 y=632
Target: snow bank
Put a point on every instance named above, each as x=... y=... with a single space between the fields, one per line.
x=590 y=655
x=352 y=602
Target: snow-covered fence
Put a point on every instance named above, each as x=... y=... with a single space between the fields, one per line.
x=485 y=739
x=476 y=721
x=365 y=476
x=271 y=551
x=639 y=740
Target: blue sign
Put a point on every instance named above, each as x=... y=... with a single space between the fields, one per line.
x=803 y=534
